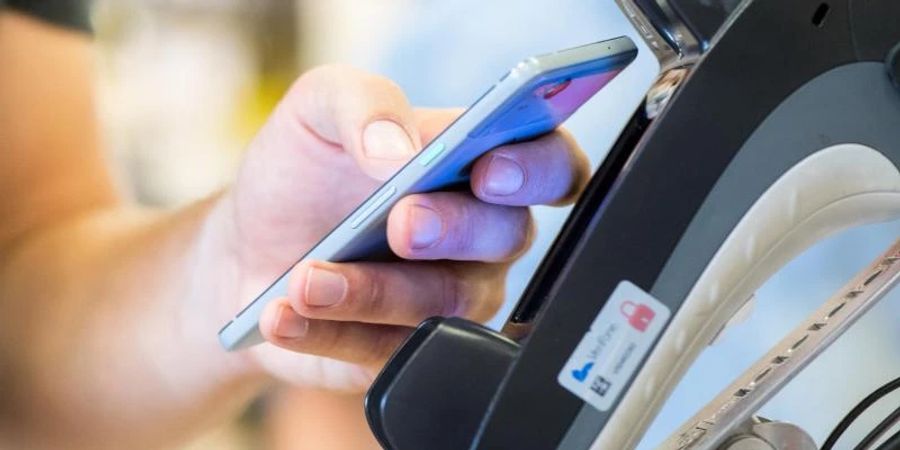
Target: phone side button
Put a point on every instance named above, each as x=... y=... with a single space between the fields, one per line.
x=221 y=330
x=373 y=206
x=431 y=153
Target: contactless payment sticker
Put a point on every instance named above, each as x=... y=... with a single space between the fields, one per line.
x=609 y=353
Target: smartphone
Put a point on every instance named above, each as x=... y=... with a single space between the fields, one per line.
x=532 y=99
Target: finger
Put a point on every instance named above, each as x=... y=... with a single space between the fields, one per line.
x=367 y=115
x=313 y=370
x=551 y=169
x=395 y=293
x=369 y=345
x=457 y=226
x=433 y=121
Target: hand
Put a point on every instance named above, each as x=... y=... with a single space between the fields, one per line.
x=335 y=136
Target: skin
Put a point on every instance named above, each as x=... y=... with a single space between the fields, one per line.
x=110 y=310
x=300 y=419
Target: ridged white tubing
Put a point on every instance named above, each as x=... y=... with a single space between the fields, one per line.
x=833 y=189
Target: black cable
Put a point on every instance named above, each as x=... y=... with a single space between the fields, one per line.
x=857 y=410
x=879 y=430
x=892 y=443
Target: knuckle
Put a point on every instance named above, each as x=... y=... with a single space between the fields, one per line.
x=582 y=168
x=311 y=79
x=470 y=294
x=382 y=85
x=529 y=232
x=464 y=232
x=490 y=302
x=335 y=339
x=523 y=237
x=495 y=302
x=389 y=97
x=475 y=291
x=565 y=137
x=452 y=302
x=374 y=302
x=578 y=167
x=380 y=347
x=495 y=289
x=327 y=72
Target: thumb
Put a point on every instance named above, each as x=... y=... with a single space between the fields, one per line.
x=366 y=115
x=386 y=146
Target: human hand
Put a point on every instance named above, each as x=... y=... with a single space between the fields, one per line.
x=335 y=136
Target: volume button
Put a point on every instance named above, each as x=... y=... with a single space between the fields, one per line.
x=431 y=153
x=373 y=206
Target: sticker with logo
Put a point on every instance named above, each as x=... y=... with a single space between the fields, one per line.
x=617 y=341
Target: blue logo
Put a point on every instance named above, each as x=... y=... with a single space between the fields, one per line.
x=581 y=374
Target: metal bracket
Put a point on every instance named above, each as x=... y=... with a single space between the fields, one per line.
x=724 y=420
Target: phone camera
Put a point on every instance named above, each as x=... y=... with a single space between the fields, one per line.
x=550 y=90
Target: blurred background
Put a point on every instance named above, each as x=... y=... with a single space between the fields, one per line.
x=184 y=84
